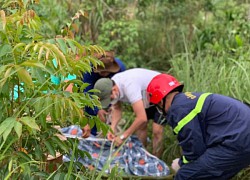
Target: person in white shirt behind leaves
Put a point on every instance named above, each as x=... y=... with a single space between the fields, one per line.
x=130 y=87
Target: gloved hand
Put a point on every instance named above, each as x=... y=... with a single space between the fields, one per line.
x=175 y=164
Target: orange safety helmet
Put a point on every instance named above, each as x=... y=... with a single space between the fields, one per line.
x=160 y=86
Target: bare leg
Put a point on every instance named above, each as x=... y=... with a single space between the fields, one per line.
x=142 y=135
x=158 y=131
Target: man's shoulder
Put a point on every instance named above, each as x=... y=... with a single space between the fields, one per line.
x=142 y=71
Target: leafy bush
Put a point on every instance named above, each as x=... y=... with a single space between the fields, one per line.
x=29 y=97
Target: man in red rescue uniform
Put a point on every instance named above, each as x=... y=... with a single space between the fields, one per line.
x=213 y=130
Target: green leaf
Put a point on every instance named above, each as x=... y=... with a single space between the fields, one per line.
x=83 y=121
x=7 y=131
x=60 y=143
x=92 y=123
x=10 y=165
x=27 y=47
x=71 y=45
x=62 y=45
x=40 y=53
x=84 y=86
x=238 y=40
x=18 y=32
x=52 y=41
x=58 y=176
x=38 y=151
x=39 y=75
x=59 y=54
x=104 y=128
x=33 y=63
x=85 y=153
x=2 y=68
x=24 y=76
x=8 y=72
x=50 y=148
x=18 y=128
x=38 y=104
x=31 y=122
x=6 y=124
x=57 y=108
x=18 y=45
x=84 y=67
x=40 y=174
x=98 y=124
x=23 y=156
x=5 y=49
x=48 y=103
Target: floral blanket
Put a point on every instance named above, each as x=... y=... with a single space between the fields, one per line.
x=131 y=157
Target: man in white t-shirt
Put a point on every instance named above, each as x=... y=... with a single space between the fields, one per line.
x=130 y=86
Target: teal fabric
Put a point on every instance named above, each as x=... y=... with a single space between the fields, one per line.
x=57 y=80
x=70 y=77
x=16 y=90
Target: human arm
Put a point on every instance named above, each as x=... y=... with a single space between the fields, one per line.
x=116 y=116
x=192 y=141
x=139 y=121
x=102 y=114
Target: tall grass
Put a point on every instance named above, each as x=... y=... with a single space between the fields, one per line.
x=223 y=72
x=214 y=73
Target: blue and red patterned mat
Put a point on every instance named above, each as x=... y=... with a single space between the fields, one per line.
x=131 y=158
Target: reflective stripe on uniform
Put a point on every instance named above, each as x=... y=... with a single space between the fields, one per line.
x=184 y=160
x=192 y=114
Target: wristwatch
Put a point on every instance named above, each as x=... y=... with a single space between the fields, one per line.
x=122 y=137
